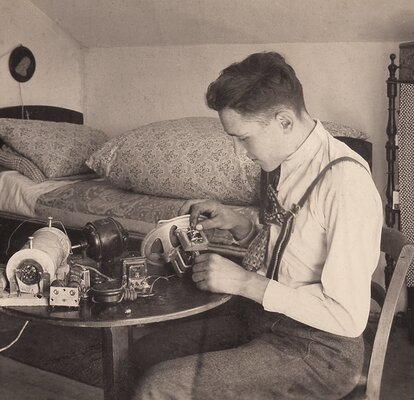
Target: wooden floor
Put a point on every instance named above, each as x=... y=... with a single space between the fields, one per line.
x=21 y=382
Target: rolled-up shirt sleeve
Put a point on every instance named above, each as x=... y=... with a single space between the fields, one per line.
x=350 y=211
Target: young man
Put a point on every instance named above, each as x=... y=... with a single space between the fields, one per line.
x=306 y=276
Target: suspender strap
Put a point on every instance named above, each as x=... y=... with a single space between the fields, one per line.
x=288 y=223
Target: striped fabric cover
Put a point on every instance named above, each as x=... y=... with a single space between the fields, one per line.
x=406 y=165
x=12 y=160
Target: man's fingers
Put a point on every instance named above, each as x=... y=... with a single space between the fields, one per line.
x=197 y=277
x=208 y=224
x=202 y=285
x=199 y=208
x=200 y=262
x=186 y=207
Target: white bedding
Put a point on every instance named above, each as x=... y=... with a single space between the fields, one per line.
x=18 y=193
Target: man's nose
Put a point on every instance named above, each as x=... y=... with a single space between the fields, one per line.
x=238 y=147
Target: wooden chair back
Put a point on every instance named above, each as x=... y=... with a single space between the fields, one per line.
x=396 y=245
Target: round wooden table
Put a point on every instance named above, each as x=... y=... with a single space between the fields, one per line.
x=173 y=298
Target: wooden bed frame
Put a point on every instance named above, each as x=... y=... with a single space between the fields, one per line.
x=43 y=113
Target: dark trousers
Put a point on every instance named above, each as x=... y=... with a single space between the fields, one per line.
x=246 y=353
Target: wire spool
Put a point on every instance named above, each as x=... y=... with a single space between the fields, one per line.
x=108 y=292
x=46 y=251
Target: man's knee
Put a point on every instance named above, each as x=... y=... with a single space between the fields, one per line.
x=163 y=381
x=151 y=386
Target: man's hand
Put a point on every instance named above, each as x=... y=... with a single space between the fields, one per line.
x=219 y=216
x=217 y=274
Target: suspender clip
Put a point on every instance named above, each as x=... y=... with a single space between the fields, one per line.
x=293 y=214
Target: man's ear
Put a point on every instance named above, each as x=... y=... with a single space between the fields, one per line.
x=284 y=118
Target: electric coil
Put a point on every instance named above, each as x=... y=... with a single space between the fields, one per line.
x=39 y=260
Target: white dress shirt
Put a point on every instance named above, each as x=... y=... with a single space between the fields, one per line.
x=325 y=273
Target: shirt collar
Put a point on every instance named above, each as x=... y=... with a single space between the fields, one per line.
x=306 y=150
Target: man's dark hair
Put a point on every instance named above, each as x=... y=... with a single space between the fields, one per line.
x=260 y=83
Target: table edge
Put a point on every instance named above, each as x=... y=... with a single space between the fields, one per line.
x=115 y=323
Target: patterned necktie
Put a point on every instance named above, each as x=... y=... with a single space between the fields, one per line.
x=272 y=212
x=255 y=257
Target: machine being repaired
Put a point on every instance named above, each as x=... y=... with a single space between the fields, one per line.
x=173 y=241
x=49 y=270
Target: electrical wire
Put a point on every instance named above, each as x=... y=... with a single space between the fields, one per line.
x=34 y=220
x=62 y=225
x=15 y=230
x=17 y=338
x=9 y=51
x=96 y=271
x=159 y=277
x=20 y=87
x=131 y=294
x=21 y=100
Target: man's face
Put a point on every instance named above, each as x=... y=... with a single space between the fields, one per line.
x=262 y=141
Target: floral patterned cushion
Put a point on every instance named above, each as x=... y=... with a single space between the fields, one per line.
x=183 y=158
x=57 y=148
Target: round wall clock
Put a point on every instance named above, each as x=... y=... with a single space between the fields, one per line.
x=22 y=64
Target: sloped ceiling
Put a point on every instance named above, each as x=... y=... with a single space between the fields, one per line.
x=120 y=23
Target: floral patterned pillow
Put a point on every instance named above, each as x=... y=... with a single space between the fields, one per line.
x=57 y=148
x=336 y=129
x=184 y=158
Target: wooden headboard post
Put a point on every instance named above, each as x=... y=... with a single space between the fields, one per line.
x=392 y=215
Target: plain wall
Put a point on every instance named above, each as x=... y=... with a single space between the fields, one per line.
x=57 y=80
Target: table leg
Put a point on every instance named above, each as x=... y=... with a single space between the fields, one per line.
x=115 y=359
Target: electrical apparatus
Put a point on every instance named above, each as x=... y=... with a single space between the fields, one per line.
x=49 y=270
x=46 y=271
x=174 y=241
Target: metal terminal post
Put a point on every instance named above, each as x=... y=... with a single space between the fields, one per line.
x=192 y=240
